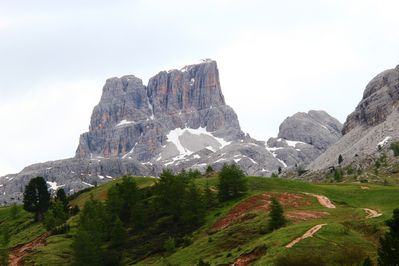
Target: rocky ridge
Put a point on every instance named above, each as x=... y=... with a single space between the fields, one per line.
x=371 y=127
x=180 y=120
x=303 y=137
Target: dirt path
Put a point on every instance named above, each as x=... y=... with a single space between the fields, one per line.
x=20 y=251
x=371 y=213
x=323 y=200
x=308 y=233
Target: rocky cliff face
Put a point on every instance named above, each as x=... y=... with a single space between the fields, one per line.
x=375 y=122
x=133 y=120
x=304 y=136
x=380 y=99
x=180 y=120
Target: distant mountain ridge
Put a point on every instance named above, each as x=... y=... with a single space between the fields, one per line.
x=304 y=136
x=180 y=120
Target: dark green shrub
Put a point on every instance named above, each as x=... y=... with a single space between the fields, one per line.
x=169 y=245
x=395 y=148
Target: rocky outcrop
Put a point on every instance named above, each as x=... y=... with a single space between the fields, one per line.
x=179 y=120
x=133 y=120
x=380 y=99
x=304 y=136
x=373 y=124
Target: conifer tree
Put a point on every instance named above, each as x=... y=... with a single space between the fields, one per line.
x=118 y=234
x=87 y=251
x=209 y=197
x=231 y=182
x=36 y=197
x=55 y=216
x=277 y=218
x=388 y=253
x=62 y=197
x=92 y=233
x=209 y=169
x=122 y=199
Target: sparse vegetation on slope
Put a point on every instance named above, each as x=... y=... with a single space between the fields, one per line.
x=229 y=232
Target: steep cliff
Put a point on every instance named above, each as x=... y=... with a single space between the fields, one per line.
x=373 y=124
x=179 y=120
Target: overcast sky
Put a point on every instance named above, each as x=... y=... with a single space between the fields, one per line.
x=275 y=58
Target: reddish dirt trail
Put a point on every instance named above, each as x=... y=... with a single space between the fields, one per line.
x=371 y=213
x=20 y=251
x=308 y=233
x=260 y=203
x=323 y=200
x=248 y=258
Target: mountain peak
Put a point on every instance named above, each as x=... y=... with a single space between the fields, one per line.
x=131 y=116
x=379 y=99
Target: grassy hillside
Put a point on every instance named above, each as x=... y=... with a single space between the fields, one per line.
x=235 y=230
x=346 y=226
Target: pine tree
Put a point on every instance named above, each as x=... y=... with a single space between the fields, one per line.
x=87 y=251
x=209 y=197
x=118 y=234
x=93 y=231
x=193 y=211
x=389 y=244
x=277 y=218
x=209 y=169
x=36 y=197
x=231 y=182
x=55 y=216
x=122 y=199
x=62 y=197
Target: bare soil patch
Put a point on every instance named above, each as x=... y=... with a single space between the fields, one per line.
x=248 y=258
x=20 y=251
x=261 y=203
x=308 y=234
x=323 y=200
x=371 y=213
